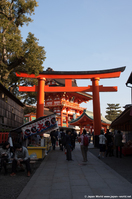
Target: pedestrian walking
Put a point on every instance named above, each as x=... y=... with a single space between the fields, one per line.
x=73 y=138
x=54 y=138
x=118 y=143
x=102 y=144
x=84 y=145
x=63 y=140
x=68 y=146
x=109 y=143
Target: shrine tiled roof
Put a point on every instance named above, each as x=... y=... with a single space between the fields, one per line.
x=89 y=115
x=51 y=71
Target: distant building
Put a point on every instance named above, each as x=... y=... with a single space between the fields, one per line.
x=32 y=116
x=11 y=110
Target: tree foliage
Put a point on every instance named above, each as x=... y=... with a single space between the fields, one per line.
x=15 y=54
x=113 y=111
x=29 y=109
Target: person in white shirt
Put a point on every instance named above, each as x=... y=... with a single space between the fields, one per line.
x=102 y=144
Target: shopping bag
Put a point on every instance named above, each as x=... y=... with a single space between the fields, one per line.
x=65 y=151
x=79 y=139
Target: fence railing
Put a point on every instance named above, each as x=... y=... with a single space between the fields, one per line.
x=3 y=137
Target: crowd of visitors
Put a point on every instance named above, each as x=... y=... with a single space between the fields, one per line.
x=108 y=142
x=67 y=142
x=18 y=154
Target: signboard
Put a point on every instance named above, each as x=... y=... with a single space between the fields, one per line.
x=40 y=126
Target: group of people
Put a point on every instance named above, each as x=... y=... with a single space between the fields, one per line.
x=108 y=142
x=70 y=138
x=17 y=155
x=60 y=136
x=67 y=142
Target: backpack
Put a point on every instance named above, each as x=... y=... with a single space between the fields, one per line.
x=85 y=140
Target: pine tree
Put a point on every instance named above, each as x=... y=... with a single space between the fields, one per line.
x=15 y=54
x=113 y=111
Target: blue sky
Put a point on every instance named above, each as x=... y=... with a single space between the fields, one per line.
x=84 y=35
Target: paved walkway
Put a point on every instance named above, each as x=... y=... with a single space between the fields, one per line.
x=57 y=178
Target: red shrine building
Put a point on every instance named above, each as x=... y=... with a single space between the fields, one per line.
x=66 y=105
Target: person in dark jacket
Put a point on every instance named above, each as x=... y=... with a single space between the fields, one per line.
x=63 y=139
x=6 y=155
x=118 y=143
x=68 y=145
x=54 y=138
x=73 y=138
x=109 y=143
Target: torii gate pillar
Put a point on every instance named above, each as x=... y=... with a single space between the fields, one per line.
x=96 y=109
x=40 y=98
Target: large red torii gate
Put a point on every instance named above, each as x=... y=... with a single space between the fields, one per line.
x=95 y=76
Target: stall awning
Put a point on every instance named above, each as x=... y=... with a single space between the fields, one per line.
x=124 y=121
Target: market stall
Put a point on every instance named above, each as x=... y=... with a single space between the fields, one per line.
x=124 y=124
x=35 y=135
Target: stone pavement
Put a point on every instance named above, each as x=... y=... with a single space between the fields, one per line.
x=57 y=178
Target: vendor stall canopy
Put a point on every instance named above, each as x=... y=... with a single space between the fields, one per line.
x=124 y=121
x=40 y=125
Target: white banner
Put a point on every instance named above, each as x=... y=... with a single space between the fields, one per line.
x=39 y=126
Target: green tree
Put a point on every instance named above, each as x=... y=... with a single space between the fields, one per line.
x=29 y=109
x=113 y=111
x=15 y=54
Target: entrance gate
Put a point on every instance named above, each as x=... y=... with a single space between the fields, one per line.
x=95 y=88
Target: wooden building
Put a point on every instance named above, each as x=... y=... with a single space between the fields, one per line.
x=11 y=110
